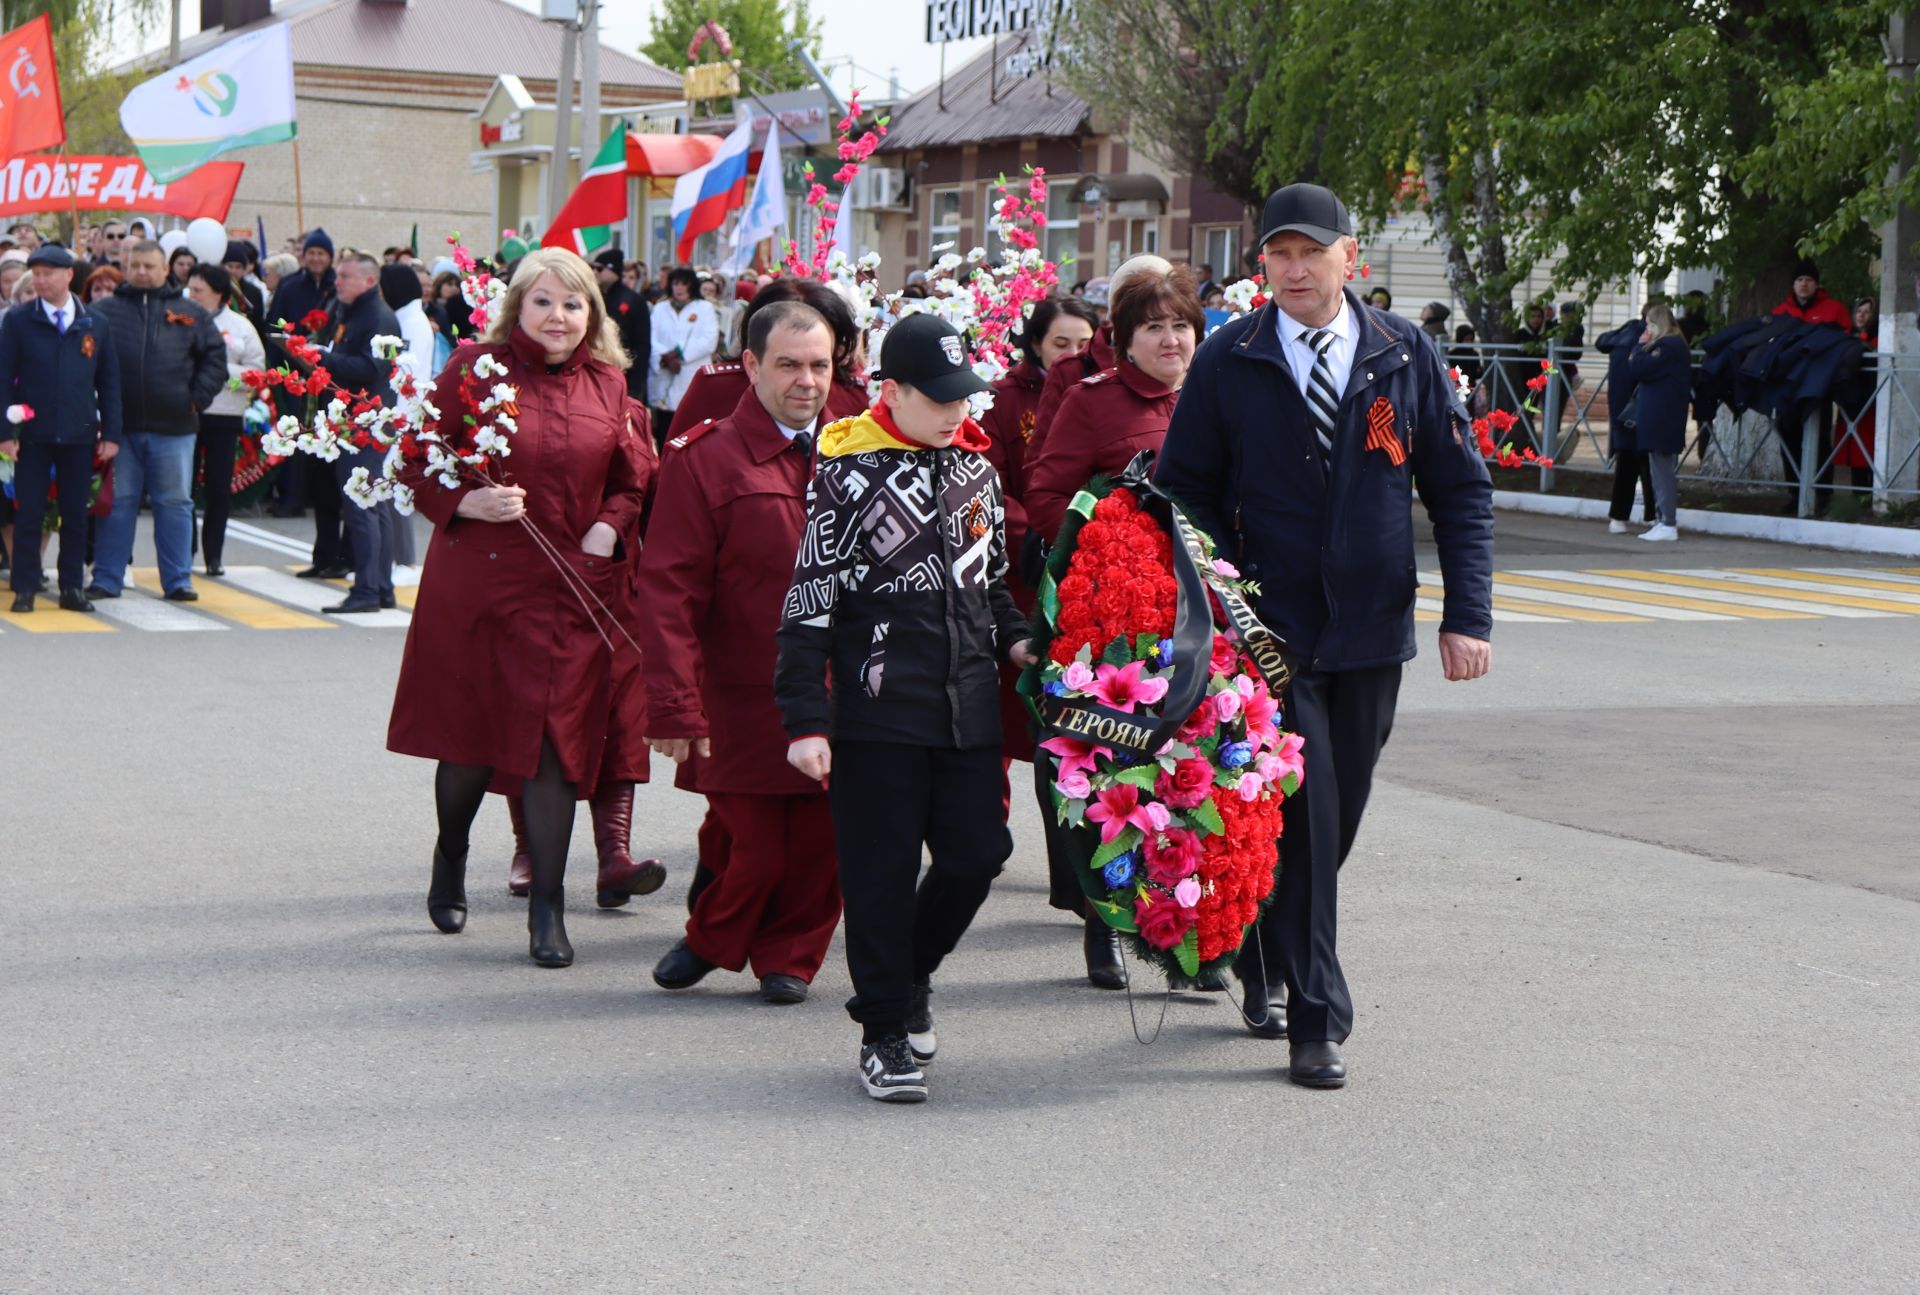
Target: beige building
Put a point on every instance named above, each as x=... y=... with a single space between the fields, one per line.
x=387 y=93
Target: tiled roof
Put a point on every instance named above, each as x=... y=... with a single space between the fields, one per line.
x=984 y=104
x=438 y=37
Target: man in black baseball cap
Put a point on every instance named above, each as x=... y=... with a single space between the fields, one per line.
x=928 y=354
x=1296 y=441
x=628 y=311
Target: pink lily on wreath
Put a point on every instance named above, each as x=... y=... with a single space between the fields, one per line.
x=1284 y=759
x=1122 y=686
x=1076 y=756
x=1118 y=807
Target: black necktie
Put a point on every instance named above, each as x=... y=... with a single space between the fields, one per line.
x=804 y=440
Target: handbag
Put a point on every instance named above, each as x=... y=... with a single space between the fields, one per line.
x=1628 y=419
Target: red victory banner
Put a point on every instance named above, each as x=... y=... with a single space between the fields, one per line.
x=30 y=116
x=30 y=184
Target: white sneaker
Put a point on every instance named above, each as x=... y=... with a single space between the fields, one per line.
x=1662 y=533
x=1616 y=527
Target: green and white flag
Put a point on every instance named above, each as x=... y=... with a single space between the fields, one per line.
x=234 y=96
x=585 y=223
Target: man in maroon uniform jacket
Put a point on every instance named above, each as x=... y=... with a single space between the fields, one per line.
x=719 y=555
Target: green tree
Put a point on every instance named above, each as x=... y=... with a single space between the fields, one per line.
x=761 y=31
x=1179 y=75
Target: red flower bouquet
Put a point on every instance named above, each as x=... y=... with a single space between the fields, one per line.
x=1161 y=692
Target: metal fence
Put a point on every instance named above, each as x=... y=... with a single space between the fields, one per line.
x=1751 y=453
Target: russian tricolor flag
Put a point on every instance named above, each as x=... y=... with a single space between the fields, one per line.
x=702 y=198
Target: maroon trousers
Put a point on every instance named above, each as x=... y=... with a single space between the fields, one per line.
x=775 y=897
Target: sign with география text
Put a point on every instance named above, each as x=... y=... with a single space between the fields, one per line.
x=965 y=19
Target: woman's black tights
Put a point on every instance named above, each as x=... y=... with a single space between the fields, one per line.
x=547 y=799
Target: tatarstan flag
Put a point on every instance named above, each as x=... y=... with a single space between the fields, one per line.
x=585 y=223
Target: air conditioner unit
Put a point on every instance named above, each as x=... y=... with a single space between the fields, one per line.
x=880 y=188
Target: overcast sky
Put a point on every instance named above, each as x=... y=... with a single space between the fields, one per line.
x=877 y=35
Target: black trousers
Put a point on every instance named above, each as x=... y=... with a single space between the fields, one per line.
x=1063 y=887
x=330 y=544
x=889 y=802
x=37 y=467
x=219 y=438
x=1631 y=467
x=1345 y=718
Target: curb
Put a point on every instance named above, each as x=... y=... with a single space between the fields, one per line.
x=1747 y=526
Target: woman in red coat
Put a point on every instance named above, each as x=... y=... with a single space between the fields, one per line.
x=507 y=680
x=1103 y=422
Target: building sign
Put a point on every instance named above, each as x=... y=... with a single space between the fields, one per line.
x=711 y=81
x=965 y=19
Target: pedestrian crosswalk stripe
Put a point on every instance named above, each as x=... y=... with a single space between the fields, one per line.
x=402 y=594
x=1845 y=583
x=1756 y=598
x=1547 y=591
x=136 y=610
x=1720 y=580
x=1431 y=609
x=47 y=618
x=312 y=595
x=221 y=599
x=1570 y=581
x=1887 y=574
x=1566 y=611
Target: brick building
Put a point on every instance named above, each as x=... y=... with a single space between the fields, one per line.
x=385 y=92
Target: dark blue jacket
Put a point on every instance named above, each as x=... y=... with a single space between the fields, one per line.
x=350 y=357
x=71 y=381
x=1333 y=551
x=1663 y=385
x=1617 y=344
x=172 y=359
x=297 y=295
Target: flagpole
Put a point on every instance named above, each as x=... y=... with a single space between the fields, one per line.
x=299 y=202
x=73 y=199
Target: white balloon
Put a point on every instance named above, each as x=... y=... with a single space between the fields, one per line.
x=207 y=239
x=172 y=241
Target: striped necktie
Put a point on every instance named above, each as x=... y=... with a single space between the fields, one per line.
x=1322 y=400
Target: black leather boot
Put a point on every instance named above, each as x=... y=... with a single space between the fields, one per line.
x=547 y=942
x=1104 y=968
x=447 y=893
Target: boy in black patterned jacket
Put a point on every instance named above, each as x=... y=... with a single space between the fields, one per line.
x=898 y=595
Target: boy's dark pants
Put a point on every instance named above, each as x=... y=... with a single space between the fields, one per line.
x=888 y=800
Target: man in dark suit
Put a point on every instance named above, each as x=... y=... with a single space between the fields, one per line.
x=56 y=360
x=1298 y=437
x=629 y=312
x=361 y=316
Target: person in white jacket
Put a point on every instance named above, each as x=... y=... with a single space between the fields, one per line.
x=400 y=289
x=686 y=332
x=211 y=287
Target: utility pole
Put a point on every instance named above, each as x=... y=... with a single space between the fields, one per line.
x=591 y=132
x=562 y=124
x=1898 y=415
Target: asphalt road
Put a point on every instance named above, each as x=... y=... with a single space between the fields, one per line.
x=1632 y=928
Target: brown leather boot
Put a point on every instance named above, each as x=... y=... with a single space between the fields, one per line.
x=520 y=875
x=620 y=877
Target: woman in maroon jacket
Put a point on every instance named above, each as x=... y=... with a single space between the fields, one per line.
x=1116 y=413
x=507 y=680
x=1055 y=330
x=1103 y=422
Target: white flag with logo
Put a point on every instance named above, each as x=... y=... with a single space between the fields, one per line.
x=238 y=94
x=766 y=211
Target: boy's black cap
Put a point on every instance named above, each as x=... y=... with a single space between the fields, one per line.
x=51 y=254
x=929 y=355
x=1307 y=209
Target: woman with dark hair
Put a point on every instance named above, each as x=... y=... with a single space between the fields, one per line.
x=686 y=332
x=211 y=287
x=1101 y=424
x=180 y=265
x=716 y=388
x=1056 y=328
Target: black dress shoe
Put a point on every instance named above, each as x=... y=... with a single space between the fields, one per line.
x=215 y=569
x=1273 y=1025
x=353 y=607
x=22 y=602
x=783 y=990
x=547 y=942
x=339 y=571
x=388 y=602
x=1102 y=945
x=72 y=600
x=1316 y=1063
x=682 y=968
x=447 y=893
x=182 y=595
x=310 y=573
x=96 y=592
